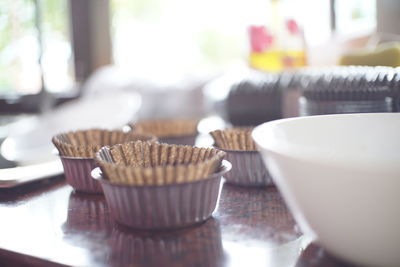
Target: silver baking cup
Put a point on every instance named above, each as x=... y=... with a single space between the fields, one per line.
x=77 y=173
x=312 y=107
x=248 y=168
x=163 y=207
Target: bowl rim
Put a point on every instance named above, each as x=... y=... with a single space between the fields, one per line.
x=226 y=166
x=264 y=145
x=267 y=125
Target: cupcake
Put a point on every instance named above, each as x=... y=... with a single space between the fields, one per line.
x=160 y=186
x=247 y=166
x=170 y=131
x=77 y=150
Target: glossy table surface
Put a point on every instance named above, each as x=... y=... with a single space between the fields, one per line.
x=46 y=223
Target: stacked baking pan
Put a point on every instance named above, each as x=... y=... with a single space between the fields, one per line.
x=254 y=99
x=345 y=90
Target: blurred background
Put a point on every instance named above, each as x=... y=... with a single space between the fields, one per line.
x=174 y=57
x=55 y=45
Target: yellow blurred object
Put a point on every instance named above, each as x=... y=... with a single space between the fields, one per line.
x=387 y=54
x=276 y=60
x=278 y=44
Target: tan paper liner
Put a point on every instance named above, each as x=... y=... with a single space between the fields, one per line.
x=238 y=138
x=85 y=143
x=146 y=163
x=167 y=127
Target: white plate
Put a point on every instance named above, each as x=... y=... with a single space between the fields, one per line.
x=29 y=141
x=107 y=111
x=11 y=177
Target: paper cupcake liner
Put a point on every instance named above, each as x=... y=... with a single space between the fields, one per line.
x=197 y=246
x=248 y=169
x=85 y=143
x=144 y=163
x=167 y=128
x=309 y=107
x=163 y=207
x=189 y=140
x=240 y=148
x=234 y=139
x=77 y=173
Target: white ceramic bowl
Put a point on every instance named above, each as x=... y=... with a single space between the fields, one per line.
x=340 y=176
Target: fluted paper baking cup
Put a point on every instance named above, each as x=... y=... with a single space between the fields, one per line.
x=238 y=138
x=146 y=163
x=248 y=169
x=163 y=207
x=167 y=127
x=85 y=143
x=189 y=140
x=77 y=173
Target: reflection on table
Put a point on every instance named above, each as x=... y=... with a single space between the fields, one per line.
x=250 y=227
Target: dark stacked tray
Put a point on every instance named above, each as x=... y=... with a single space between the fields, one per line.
x=346 y=90
x=254 y=99
x=391 y=78
x=258 y=97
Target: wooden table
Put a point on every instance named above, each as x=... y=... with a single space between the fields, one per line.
x=48 y=224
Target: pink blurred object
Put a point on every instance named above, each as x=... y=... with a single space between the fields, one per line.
x=260 y=38
x=292 y=26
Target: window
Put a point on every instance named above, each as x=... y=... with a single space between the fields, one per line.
x=153 y=38
x=171 y=38
x=35 y=47
x=355 y=17
x=19 y=48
